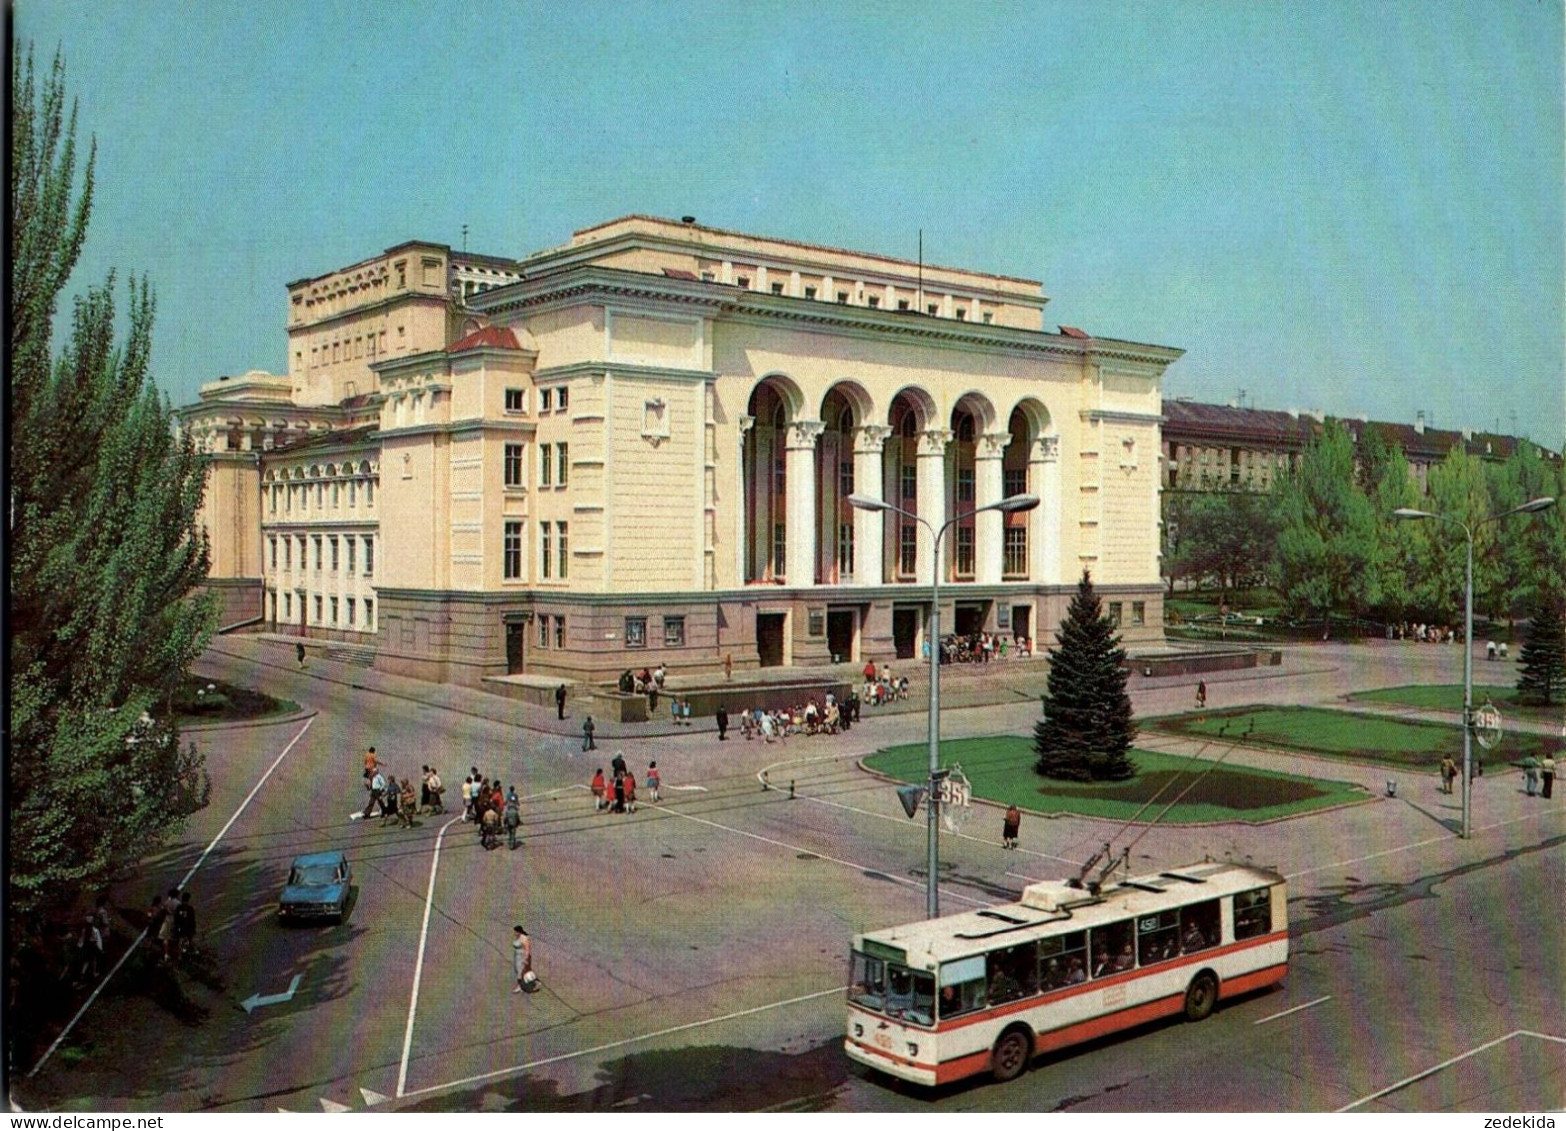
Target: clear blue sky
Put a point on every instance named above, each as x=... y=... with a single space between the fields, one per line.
x=1348 y=206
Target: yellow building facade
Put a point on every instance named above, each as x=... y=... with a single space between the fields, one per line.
x=640 y=449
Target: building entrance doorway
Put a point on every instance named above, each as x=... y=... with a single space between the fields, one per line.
x=516 y=637
x=969 y=618
x=840 y=634
x=905 y=631
x=1022 y=622
x=769 y=638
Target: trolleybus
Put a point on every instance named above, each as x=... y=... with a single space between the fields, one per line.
x=946 y=998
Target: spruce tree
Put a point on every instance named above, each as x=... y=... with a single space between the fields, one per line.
x=106 y=551
x=1542 y=681
x=1086 y=731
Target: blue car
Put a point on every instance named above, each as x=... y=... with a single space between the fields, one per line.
x=317 y=887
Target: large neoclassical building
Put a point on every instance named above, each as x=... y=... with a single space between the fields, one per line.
x=639 y=447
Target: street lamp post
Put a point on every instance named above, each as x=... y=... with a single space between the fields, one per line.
x=1468 y=633
x=1007 y=505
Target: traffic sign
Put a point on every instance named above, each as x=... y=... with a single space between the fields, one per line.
x=1487 y=725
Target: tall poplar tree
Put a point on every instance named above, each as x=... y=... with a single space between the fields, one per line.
x=106 y=552
x=1087 y=728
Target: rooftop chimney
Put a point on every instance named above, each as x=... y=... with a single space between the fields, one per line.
x=1419 y=422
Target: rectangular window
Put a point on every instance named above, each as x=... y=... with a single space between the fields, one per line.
x=1016 y=552
x=842 y=296
x=845 y=477
x=320 y=496
x=563 y=548
x=873 y=300
x=961 y=314
x=562 y=398
x=352 y=612
x=546 y=558
x=1138 y=612
x=933 y=308
x=742 y=281
x=779 y=475
x=965 y=484
x=964 y=564
x=334 y=610
x=1252 y=913
x=902 y=304
x=288 y=501
x=546 y=399
x=908 y=480
x=369 y=612
x=1014 y=481
x=288 y=606
x=988 y=318
x=810 y=292
x=674 y=632
x=1115 y=609
x=352 y=485
x=369 y=556
x=511 y=552
x=907 y=547
x=513 y=465
x=636 y=632
x=516 y=400
x=543 y=631
x=317 y=609
x=351 y=544
x=317 y=548
x=845 y=549
x=561 y=462
x=1110 y=947
x=546 y=456
x=369 y=493
x=272 y=542
x=560 y=632
x=779 y=548
x=777 y=288
x=1062 y=960
x=333 y=540
x=1013 y=972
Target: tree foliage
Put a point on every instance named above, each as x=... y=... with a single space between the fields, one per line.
x=1087 y=728
x=1542 y=678
x=106 y=550
x=1229 y=536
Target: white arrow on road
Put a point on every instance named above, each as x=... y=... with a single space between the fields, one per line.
x=372 y=1098
x=254 y=1000
x=332 y=1107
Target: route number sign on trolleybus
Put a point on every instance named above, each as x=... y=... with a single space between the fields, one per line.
x=987 y=990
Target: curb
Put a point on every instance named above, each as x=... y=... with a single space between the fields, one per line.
x=264 y=721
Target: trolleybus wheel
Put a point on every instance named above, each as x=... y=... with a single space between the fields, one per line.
x=1011 y=1054
x=1201 y=996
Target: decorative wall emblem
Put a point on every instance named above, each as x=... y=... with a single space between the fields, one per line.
x=1128 y=453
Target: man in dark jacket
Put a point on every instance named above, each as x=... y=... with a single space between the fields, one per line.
x=722 y=719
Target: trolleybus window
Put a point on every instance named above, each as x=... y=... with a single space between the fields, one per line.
x=962 y=986
x=1014 y=973
x=910 y=995
x=1111 y=948
x=1063 y=960
x=1199 y=926
x=867 y=982
x=1252 y=913
x=1158 y=937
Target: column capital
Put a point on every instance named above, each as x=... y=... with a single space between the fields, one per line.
x=870 y=439
x=992 y=445
x=746 y=423
x=933 y=442
x=1046 y=449
x=804 y=433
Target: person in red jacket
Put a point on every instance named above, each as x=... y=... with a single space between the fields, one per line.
x=598 y=790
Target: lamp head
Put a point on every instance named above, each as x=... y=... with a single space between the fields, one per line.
x=1014 y=503
x=1410 y=512
x=1543 y=503
x=866 y=503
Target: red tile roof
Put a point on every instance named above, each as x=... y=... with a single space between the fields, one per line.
x=494 y=337
x=1073 y=332
x=678 y=273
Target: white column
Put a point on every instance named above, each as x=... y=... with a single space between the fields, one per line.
x=932 y=500
x=869 y=453
x=1044 y=534
x=989 y=487
x=800 y=471
x=742 y=506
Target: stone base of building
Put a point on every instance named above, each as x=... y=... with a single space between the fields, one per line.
x=464 y=637
x=239 y=599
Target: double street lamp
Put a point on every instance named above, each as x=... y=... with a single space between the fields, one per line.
x=1468 y=631
x=1010 y=505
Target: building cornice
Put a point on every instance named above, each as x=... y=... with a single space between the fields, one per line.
x=369 y=308
x=622 y=369
x=1114 y=416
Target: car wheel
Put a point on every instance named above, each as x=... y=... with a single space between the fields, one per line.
x=1201 y=996
x=1011 y=1054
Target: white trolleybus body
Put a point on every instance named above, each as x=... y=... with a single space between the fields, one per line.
x=942 y=999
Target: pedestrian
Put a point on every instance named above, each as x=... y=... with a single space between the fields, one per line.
x=1530 y=767
x=560 y=698
x=300 y=652
x=619 y=793
x=1448 y=773
x=166 y=936
x=1010 y=826
x=489 y=826
x=407 y=805
x=100 y=915
x=728 y=665
x=658 y=674
x=522 y=960
x=617 y=764
x=1547 y=776
x=654 y=781
x=371 y=763
x=1201 y=694
x=89 y=947
x=184 y=926
x=674 y=710
x=467 y=798
x=630 y=791
x=424 y=789
x=652 y=699
x=377 y=788
x=512 y=819
x=437 y=787
x=685 y=710
x=587 y=734
x=390 y=794
x=721 y=717
x=598 y=790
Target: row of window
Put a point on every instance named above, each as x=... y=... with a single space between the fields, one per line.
x=554 y=551
x=349 y=544
x=553 y=464
x=556 y=398
x=329 y=612
x=552 y=631
x=871 y=300
x=1138 y=612
x=348 y=349
x=282 y=496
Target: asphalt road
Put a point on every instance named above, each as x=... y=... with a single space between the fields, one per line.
x=693 y=953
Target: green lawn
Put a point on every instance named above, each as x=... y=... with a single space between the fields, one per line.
x=202 y=700
x=1001 y=770
x=1346 y=734
x=1449 y=697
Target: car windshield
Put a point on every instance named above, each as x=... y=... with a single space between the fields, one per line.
x=314 y=875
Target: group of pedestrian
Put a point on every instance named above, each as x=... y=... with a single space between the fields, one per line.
x=881 y=686
x=809 y=718
x=492 y=808
x=171 y=920
x=1533 y=769
x=617 y=794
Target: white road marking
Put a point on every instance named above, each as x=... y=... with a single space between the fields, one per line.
x=687 y=788
x=92 y=997
x=621 y=1043
x=1447 y=1064
x=372 y=1098
x=1424 y=843
x=1296 y=1009
x=332 y=1106
x=418 y=966
x=798 y=848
